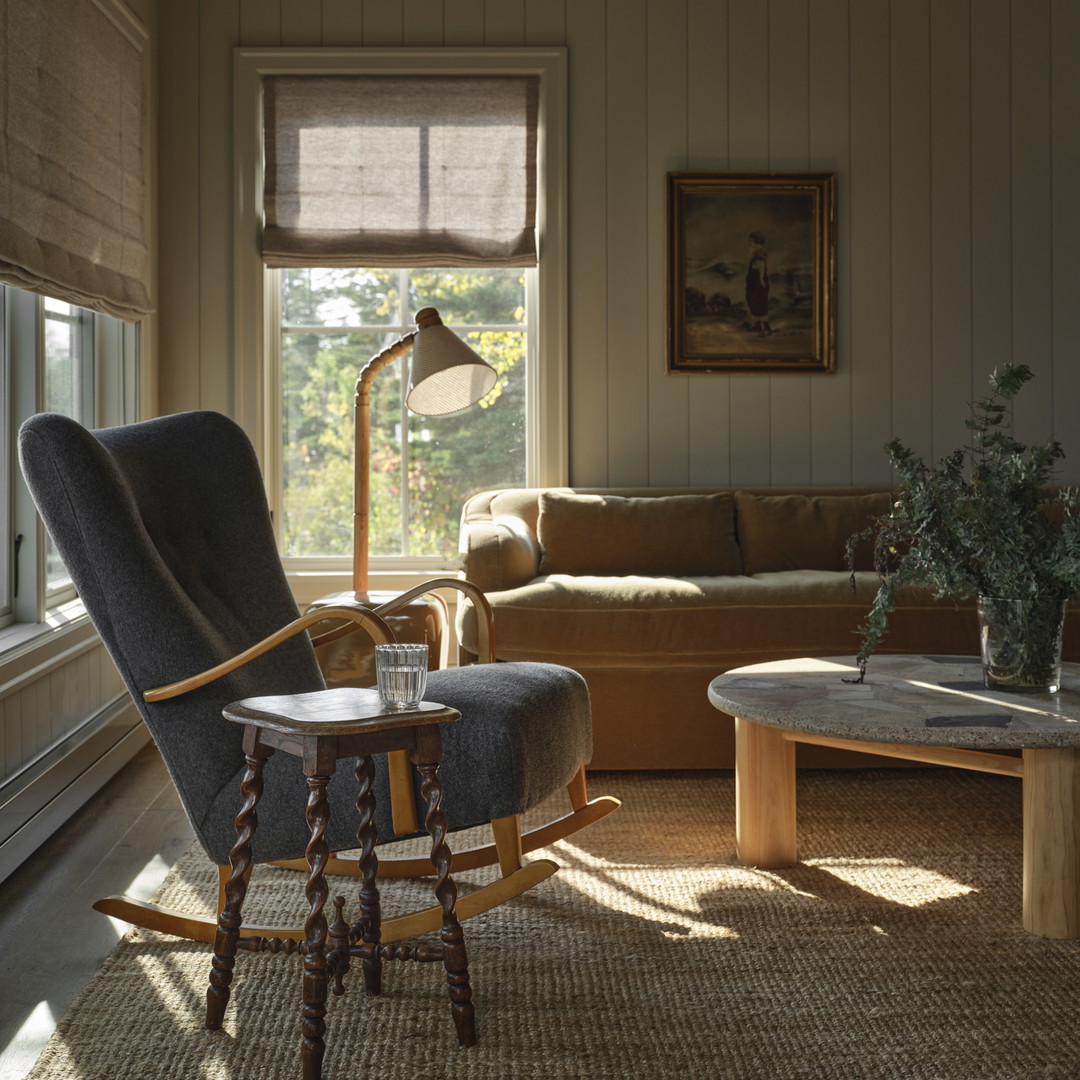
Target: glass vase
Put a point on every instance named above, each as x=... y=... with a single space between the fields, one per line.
x=1021 y=644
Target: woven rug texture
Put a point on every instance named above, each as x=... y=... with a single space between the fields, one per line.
x=892 y=951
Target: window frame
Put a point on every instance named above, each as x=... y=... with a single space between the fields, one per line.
x=390 y=331
x=257 y=296
x=110 y=395
x=125 y=391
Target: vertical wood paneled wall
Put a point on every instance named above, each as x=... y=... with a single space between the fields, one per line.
x=953 y=128
x=39 y=711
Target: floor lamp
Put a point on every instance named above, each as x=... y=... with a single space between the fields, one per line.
x=446 y=376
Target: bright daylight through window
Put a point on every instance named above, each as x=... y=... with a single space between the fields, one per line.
x=68 y=388
x=422 y=468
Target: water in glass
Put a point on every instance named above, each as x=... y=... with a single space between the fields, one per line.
x=401 y=671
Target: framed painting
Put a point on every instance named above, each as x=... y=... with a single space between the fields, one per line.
x=751 y=272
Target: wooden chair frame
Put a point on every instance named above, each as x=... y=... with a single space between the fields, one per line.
x=508 y=846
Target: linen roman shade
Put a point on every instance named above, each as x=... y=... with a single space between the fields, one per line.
x=72 y=157
x=374 y=170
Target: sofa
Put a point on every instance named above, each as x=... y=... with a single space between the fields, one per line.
x=652 y=592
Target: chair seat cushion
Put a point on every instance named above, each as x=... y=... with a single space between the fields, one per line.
x=524 y=732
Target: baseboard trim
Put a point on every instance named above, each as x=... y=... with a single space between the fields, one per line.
x=37 y=810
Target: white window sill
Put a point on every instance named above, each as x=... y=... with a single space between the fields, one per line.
x=23 y=635
x=29 y=649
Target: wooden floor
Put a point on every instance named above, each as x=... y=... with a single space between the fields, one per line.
x=124 y=839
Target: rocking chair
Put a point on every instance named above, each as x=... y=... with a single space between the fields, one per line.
x=164 y=528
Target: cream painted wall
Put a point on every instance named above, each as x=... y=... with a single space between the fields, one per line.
x=954 y=130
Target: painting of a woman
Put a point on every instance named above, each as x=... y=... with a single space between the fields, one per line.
x=757 y=286
x=751 y=271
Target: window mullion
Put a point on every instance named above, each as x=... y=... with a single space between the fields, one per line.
x=87 y=365
x=273 y=465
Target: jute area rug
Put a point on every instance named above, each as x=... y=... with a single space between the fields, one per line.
x=893 y=950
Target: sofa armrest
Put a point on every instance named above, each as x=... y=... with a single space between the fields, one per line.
x=500 y=553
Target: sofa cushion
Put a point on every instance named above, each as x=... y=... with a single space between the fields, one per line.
x=804 y=532
x=673 y=535
x=586 y=622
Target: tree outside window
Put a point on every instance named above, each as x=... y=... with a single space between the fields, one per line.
x=423 y=468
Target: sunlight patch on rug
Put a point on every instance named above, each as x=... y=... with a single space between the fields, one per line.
x=894 y=880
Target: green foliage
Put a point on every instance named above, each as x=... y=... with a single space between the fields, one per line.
x=448 y=457
x=981 y=522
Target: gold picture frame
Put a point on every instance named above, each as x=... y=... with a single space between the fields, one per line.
x=751 y=272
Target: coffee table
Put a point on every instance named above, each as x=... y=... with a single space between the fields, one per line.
x=932 y=709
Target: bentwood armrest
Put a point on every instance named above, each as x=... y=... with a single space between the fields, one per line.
x=485 y=616
x=366 y=619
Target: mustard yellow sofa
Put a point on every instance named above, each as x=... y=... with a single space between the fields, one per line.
x=652 y=592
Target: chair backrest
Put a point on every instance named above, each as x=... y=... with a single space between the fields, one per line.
x=164 y=528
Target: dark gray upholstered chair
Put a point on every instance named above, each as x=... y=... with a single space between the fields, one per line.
x=164 y=528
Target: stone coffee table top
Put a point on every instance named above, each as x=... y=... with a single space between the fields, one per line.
x=893 y=705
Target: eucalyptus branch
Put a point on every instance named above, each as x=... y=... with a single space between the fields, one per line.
x=980 y=522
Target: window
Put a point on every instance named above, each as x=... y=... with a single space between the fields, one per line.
x=68 y=388
x=304 y=333
x=423 y=468
x=55 y=357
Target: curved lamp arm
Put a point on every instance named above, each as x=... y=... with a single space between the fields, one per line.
x=362 y=454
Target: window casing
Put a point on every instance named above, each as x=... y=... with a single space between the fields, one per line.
x=258 y=291
x=54 y=357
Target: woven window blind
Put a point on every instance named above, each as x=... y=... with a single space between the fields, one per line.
x=400 y=170
x=72 y=180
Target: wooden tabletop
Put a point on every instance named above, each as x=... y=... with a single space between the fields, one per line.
x=339 y=711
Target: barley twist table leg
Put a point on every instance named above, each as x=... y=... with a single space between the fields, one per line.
x=313 y=1026
x=230 y=917
x=453 y=938
x=370 y=906
x=340 y=938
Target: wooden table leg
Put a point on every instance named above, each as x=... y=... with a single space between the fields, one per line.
x=369 y=927
x=313 y=1025
x=1052 y=843
x=764 y=796
x=455 y=959
x=231 y=915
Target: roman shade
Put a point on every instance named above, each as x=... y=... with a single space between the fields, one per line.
x=374 y=170
x=72 y=157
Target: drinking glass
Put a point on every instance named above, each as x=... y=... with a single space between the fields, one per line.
x=401 y=673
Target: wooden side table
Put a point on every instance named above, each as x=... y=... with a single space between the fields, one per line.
x=319 y=728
